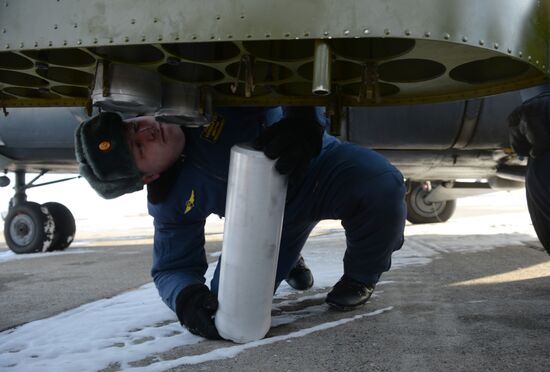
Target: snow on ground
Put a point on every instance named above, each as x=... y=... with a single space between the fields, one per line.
x=136 y=324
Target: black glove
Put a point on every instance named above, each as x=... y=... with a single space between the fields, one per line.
x=195 y=308
x=529 y=126
x=294 y=141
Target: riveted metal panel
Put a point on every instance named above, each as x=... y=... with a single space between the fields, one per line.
x=414 y=50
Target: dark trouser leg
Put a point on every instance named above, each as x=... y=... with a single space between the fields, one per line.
x=374 y=230
x=293 y=238
x=359 y=187
x=537 y=185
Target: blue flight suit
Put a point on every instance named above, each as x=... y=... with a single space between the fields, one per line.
x=530 y=137
x=537 y=187
x=345 y=181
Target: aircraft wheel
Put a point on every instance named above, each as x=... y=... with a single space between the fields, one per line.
x=419 y=211
x=65 y=226
x=28 y=228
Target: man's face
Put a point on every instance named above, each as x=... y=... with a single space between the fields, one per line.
x=154 y=146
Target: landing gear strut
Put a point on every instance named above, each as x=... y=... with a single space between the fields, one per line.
x=30 y=227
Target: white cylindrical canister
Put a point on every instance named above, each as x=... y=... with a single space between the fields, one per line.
x=254 y=210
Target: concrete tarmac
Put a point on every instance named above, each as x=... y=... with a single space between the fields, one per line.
x=479 y=310
x=434 y=323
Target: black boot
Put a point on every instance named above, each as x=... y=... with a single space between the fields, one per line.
x=300 y=277
x=348 y=294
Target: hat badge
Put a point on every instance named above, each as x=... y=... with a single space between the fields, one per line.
x=104 y=146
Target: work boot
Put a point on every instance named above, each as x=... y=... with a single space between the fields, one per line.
x=300 y=277
x=348 y=294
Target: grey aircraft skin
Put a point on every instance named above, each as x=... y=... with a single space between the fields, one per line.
x=437 y=144
x=250 y=52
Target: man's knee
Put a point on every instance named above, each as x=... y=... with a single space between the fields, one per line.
x=380 y=205
x=388 y=195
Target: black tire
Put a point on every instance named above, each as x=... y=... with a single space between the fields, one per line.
x=419 y=211
x=65 y=226
x=28 y=228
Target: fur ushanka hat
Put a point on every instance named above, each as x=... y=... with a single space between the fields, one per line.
x=104 y=156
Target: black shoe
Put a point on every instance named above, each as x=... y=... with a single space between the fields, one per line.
x=300 y=277
x=348 y=294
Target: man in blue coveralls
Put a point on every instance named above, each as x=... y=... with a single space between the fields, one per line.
x=186 y=170
x=530 y=137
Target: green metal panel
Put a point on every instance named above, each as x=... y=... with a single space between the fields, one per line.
x=409 y=50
